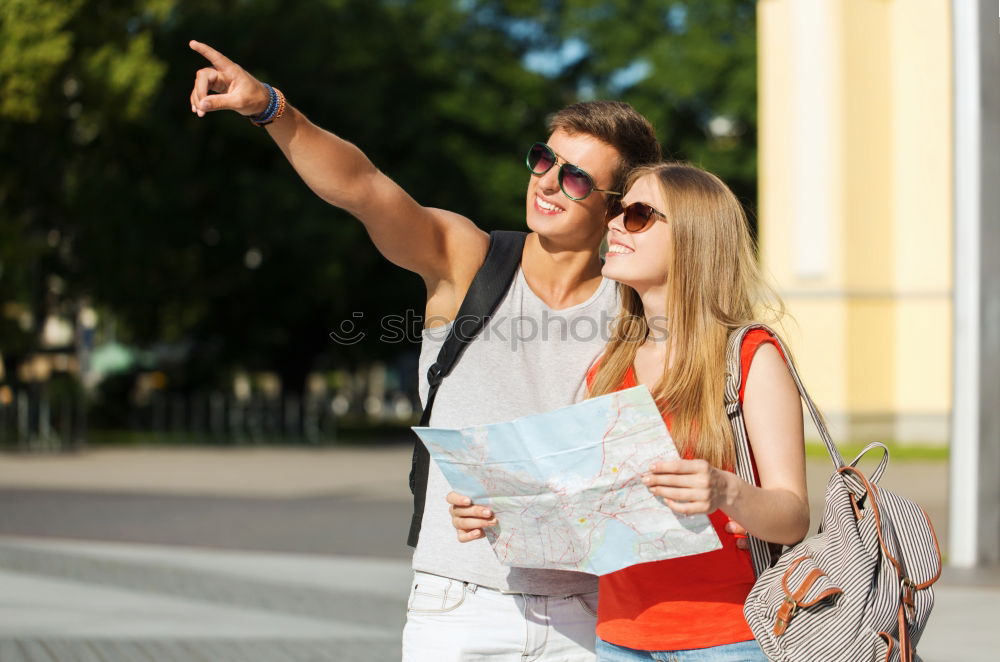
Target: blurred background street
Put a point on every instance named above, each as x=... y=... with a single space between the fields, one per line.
x=278 y=554
x=199 y=554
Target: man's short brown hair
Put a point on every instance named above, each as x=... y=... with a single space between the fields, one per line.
x=619 y=125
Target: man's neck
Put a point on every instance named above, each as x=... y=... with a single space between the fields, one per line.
x=561 y=277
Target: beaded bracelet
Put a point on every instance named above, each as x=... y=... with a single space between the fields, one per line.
x=275 y=107
x=272 y=103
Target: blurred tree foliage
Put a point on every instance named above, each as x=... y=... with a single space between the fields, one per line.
x=197 y=230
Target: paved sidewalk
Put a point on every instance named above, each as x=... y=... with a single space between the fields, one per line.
x=375 y=471
x=68 y=600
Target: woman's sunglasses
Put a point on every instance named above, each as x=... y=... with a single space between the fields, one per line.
x=575 y=183
x=636 y=217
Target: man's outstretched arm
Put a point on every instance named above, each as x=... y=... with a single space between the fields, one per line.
x=443 y=247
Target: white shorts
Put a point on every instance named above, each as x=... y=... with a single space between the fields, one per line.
x=449 y=620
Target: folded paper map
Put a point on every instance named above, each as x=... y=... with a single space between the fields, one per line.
x=565 y=486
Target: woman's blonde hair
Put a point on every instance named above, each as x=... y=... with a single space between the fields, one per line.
x=714 y=286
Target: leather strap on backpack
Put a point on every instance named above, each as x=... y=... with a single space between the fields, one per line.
x=487 y=290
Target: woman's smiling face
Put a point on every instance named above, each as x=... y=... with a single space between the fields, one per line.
x=641 y=259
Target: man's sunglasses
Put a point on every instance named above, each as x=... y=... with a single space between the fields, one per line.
x=636 y=217
x=575 y=183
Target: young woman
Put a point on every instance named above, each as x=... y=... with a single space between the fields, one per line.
x=681 y=249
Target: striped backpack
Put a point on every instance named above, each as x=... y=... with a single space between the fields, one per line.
x=860 y=589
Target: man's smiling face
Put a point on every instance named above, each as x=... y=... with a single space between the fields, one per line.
x=551 y=213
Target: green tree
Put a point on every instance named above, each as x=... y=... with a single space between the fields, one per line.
x=70 y=71
x=688 y=65
x=196 y=232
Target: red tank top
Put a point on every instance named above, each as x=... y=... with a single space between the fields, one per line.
x=688 y=602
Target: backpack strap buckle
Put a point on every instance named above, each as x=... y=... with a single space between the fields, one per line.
x=784 y=615
x=908 y=594
x=435 y=375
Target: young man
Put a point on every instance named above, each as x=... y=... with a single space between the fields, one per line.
x=532 y=357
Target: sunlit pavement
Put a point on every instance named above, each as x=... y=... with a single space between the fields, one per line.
x=63 y=600
x=67 y=594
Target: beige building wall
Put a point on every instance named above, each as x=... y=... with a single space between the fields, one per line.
x=856 y=206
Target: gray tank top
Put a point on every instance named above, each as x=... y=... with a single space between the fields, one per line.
x=528 y=360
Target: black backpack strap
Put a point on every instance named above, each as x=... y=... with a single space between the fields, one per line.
x=487 y=290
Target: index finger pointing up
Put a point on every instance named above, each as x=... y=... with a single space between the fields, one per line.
x=218 y=60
